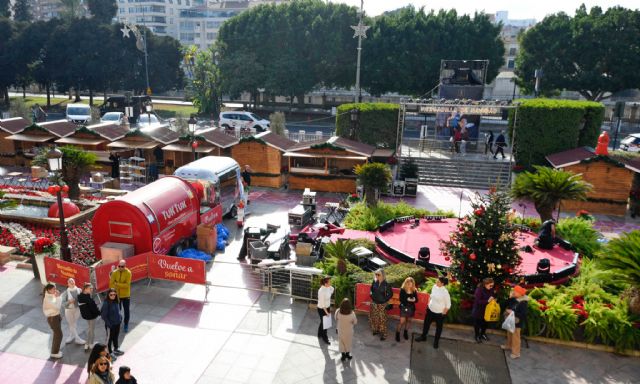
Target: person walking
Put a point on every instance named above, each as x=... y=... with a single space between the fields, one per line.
x=125 y=377
x=89 y=311
x=380 y=293
x=111 y=315
x=488 y=144
x=246 y=181
x=408 y=299
x=464 y=136
x=101 y=372
x=51 y=308
x=439 y=304
x=345 y=321
x=483 y=295
x=518 y=304
x=501 y=142
x=324 y=306
x=120 y=280
x=72 y=311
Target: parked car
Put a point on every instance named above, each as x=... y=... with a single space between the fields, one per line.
x=148 y=121
x=119 y=104
x=631 y=143
x=78 y=113
x=113 y=117
x=243 y=120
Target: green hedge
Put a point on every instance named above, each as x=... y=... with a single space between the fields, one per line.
x=378 y=123
x=364 y=218
x=546 y=126
x=395 y=274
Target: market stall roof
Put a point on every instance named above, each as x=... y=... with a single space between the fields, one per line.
x=163 y=134
x=580 y=154
x=109 y=131
x=276 y=141
x=187 y=148
x=14 y=124
x=30 y=138
x=218 y=138
x=339 y=142
x=132 y=144
x=60 y=128
x=383 y=152
x=79 y=141
x=319 y=155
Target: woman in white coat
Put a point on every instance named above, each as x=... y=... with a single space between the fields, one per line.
x=345 y=320
x=72 y=311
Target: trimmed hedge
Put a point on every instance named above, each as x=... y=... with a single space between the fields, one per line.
x=546 y=126
x=378 y=123
x=395 y=274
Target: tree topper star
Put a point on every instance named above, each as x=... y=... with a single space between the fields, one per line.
x=125 y=30
x=360 y=30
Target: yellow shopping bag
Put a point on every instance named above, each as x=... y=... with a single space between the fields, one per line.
x=492 y=312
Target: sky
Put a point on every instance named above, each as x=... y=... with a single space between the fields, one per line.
x=518 y=9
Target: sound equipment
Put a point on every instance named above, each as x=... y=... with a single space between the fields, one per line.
x=386 y=225
x=564 y=244
x=544 y=266
x=424 y=254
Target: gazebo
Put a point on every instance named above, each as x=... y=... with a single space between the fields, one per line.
x=264 y=154
x=326 y=165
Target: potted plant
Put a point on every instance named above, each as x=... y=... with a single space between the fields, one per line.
x=42 y=247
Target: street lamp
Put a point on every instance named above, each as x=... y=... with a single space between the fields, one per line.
x=355 y=118
x=54 y=158
x=192 y=130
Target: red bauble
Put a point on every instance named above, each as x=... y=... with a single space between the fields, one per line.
x=194 y=145
x=65 y=188
x=472 y=256
x=447 y=258
x=68 y=208
x=51 y=190
x=479 y=211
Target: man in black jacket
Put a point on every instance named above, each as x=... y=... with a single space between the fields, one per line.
x=501 y=142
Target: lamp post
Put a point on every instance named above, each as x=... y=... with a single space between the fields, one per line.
x=192 y=130
x=54 y=158
x=360 y=33
x=148 y=109
x=355 y=119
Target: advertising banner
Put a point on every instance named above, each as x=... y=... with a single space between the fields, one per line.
x=59 y=271
x=137 y=265
x=177 y=269
x=363 y=301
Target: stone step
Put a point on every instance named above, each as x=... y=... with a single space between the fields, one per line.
x=462 y=172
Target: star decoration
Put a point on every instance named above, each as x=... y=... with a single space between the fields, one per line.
x=125 y=30
x=360 y=30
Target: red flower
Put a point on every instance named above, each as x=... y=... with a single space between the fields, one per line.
x=608 y=305
x=479 y=212
x=543 y=308
x=578 y=299
x=542 y=301
x=466 y=304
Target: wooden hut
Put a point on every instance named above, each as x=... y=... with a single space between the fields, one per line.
x=10 y=127
x=611 y=179
x=264 y=154
x=84 y=138
x=210 y=143
x=326 y=165
x=28 y=141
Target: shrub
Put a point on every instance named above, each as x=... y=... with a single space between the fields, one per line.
x=277 y=123
x=366 y=218
x=547 y=126
x=344 y=287
x=396 y=273
x=377 y=125
x=561 y=319
x=532 y=222
x=581 y=234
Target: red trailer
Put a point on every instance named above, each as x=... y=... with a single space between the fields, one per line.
x=154 y=218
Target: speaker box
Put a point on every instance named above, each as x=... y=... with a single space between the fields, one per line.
x=544 y=266
x=424 y=254
x=386 y=226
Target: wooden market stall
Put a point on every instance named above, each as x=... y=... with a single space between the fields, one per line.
x=10 y=127
x=211 y=142
x=28 y=141
x=611 y=178
x=264 y=153
x=326 y=165
x=84 y=138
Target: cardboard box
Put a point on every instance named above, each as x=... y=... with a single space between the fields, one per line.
x=112 y=252
x=207 y=238
x=303 y=249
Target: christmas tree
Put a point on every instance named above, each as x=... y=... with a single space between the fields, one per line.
x=484 y=244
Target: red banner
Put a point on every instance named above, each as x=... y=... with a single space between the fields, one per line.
x=137 y=265
x=177 y=269
x=59 y=271
x=363 y=301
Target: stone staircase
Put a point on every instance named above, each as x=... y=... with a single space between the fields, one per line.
x=462 y=172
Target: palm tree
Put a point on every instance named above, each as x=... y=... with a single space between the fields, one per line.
x=622 y=257
x=373 y=177
x=340 y=250
x=547 y=187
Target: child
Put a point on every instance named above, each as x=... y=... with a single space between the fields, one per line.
x=124 y=376
x=518 y=303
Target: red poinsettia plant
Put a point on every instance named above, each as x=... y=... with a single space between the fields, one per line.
x=44 y=245
x=584 y=214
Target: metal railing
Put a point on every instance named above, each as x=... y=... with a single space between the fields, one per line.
x=428 y=147
x=300 y=136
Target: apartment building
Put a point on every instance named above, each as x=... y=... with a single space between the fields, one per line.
x=49 y=9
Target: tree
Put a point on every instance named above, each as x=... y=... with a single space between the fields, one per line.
x=206 y=80
x=75 y=163
x=411 y=43
x=22 y=11
x=373 y=177
x=8 y=72
x=4 y=8
x=622 y=257
x=72 y=9
x=103 y=11
x=484 y=244
x=277 y=123
x=340 y=250
x=593 y=53
x=547 y=187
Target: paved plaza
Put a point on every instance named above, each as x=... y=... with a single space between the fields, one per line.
x=240 y=335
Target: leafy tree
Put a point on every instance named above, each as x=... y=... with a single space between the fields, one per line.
x=73 y=9
x=484 y=244
x=547 y=187
x=622 y=257
x=103 y=11
x=373 y=177
x=22 y=10
x=206 y=81
x=75 y=163
x=4 y=9
x=7 y=74
x=410 y=44
x=593 y=53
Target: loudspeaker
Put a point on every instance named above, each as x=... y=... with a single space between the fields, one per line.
x=564 y=244
x=424 y=254
x=386 y=225
x=544 y=266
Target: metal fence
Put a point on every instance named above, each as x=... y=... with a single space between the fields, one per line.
x=299 y=136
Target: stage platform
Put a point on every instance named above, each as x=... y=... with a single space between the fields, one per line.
x=401 y=243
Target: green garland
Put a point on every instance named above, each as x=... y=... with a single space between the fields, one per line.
x=35 y=127
x=84 y=129
x=327 y=146
x=188 y=138
x=603 y=158
x=250 y=139
x=137 y=133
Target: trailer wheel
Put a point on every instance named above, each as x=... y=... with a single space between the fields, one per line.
x=233 y=212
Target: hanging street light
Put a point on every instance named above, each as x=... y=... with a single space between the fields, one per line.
x=360 y=31
x=193 y=123
x=54 y=159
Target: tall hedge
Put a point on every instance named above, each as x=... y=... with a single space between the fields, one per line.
x=378 y=123
x=546 y=126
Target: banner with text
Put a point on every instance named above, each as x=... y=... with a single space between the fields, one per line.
x=59 y=271
x=177 y=269
x=363 y=301
x=137 y=265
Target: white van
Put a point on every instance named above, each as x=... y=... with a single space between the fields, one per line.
x=79 y=113
x=243 y=120
x=221 y=180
